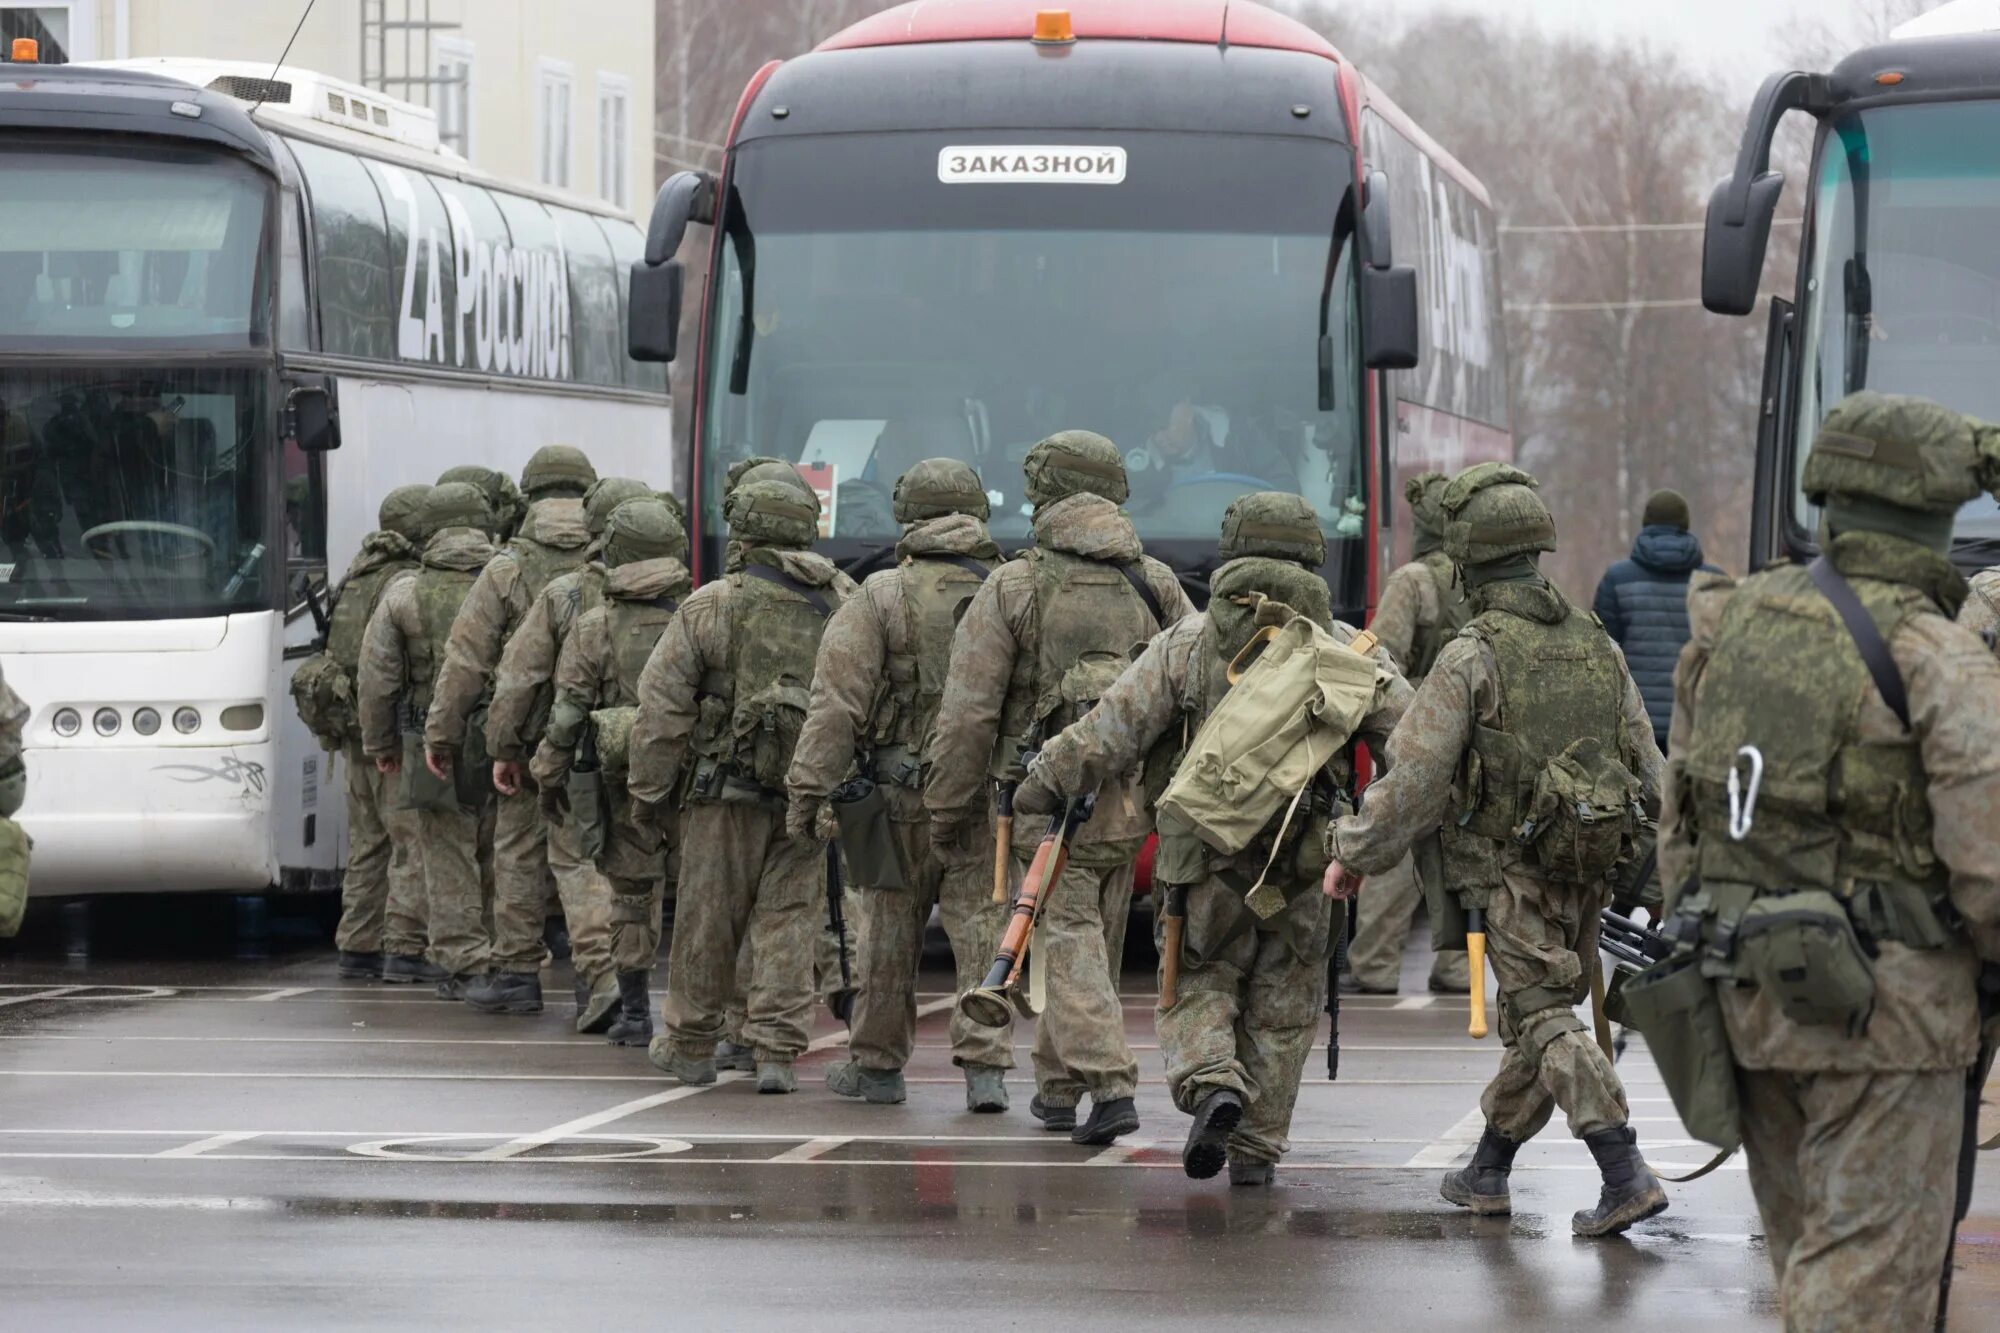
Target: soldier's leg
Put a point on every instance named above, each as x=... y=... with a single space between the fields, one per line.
x=1878 y=1168
x=520 y=870
x=829 y=978
x=1286 y=991
x=973 y=923
x=790 y=883
x=1082 y=1032
x=1382 y=927
x=404 y=932
x=893 y=921
x=586 y=903
x=364 y=889
x=1198 y=1036
x=459 y=942
x=1774 y=1128
x=720 y=862
x=489 y=820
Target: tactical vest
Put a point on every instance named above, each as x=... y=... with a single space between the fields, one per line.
x=935 y=592
x=1558 y=684
x=752 y=710
x=439 y=594
x=540 y=565
x=359 y=597
x=635 y=625
x=1454 y=614
x=1831 y=813
x=325 y=687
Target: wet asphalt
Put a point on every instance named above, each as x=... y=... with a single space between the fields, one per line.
x=192 y=1140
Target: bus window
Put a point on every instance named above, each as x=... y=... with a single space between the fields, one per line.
x=597 y=336
x=356 y=299
x=528 y=300
x=423 y=292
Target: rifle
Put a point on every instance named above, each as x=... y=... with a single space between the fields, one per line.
x=991 y=1003
x=841 y=1002
x=1968 y=1144
x=322 y=614
x=1475 y=960
x=1336 y=963
x=1630 y=944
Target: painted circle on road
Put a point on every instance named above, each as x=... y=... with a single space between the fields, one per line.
x=511 y=1148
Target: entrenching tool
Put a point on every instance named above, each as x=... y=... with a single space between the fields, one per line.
x=1475 y=962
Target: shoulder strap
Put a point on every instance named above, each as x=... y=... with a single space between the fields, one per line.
x=769 y=574
x=1867 y=638
x=964 y=562
x=1135 y=574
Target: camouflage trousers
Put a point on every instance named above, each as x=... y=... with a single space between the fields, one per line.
x=1080 y=1041
x=382 y=892
x=636 y=908
x=1538 y=934
x=1855 y=1176
x=828 y=975
x=1246 y=1011
x=742 y=878
x=641 y=869
x=460 y=940
x=1387 y=905
x=520 y=882
x=885 y=1012
x=585 y=895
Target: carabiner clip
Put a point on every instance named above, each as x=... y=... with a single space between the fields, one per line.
x=1743 y=804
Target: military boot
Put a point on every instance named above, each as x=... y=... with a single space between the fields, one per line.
x=665 y=1057
x=454 y=987
x=731 y=1055
x=410 y=969
x=880 y=1087
x=1108 y=1120
x=1631 y=1191
x=358 y=966
x=776 y=1076
x=1251 y=1171
x=597 y=1003
x=633 y=1025
x=1482 y=1184
x=1055 y=1119
x=1207 y=1146
x=506 y=993
x=985 y=1089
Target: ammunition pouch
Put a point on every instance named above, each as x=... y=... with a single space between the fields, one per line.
x=1675 y=1006
x=867 y=843
x=323 y=693
x=898 y=767
x=1581 y=813
x=711 y=779
x=473 y=771
x=15 y=846
x=589 y=810
x=417 y=788
x=1801 y=950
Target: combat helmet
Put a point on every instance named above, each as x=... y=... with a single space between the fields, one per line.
x=1075 y=462
x=938 y=487
x=1425 y=494
x=643 y=529
x=761 y=467
x=557 y=469
x=771 y=513
x=1898 y=450
x=606 y=494
x=674 y=506
x=455 y=504
x=1491 y=511
x=1276 y=524
x=503 y=497
x=402 y=512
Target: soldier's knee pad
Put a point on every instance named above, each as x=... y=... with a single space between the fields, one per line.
x=1536 y=1031
x=630 y=910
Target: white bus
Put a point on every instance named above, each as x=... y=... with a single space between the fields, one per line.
x=236 y=308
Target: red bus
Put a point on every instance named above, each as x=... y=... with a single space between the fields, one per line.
x=1188 y=225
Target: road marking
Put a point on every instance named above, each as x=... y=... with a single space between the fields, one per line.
x=704 y=1137
x=596 y=1119
x=285 y=994
x=1415 y=1002
x=811 y=1149
x=1446 y=1150
x=840 y=1038
x=1120 y=1154
x=201 y=1146
x=53 y=993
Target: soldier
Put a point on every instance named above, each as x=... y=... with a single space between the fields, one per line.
x=875 y=695
x=720 y=704
x=1981 y=612
x=1852 y=1129
x=1040 y=642
x=381 y=932
x=503 y=497
x=522 y=691
x=1530 y=694
x=14 y=843
x=1420 y=611
x=400 y=653
x=1249 y=991
x=644 y=551
x=554 y=539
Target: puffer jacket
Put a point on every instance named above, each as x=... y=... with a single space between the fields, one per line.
x=1643 y=603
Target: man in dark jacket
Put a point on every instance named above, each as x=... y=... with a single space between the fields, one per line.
x=1643 y=602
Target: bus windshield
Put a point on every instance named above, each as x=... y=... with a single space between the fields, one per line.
x=973 y=320
x=1903 y=290
x=133 y=494
x=99 y=246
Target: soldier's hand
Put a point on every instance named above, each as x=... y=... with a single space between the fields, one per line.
x=388 y=765
x=439 y=763
x=1340 y=883
x=554 y=800
x=799 y=818
x=507 y=777
x=1034 y=797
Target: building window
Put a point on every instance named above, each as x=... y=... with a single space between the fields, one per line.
x=554 y=84
x=48 y=25
x=451 y=93
x=614 y=139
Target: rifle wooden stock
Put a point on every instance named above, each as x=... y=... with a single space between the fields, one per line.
x=1475 y=959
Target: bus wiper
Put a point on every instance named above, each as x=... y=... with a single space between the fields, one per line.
x=738 y=230
x=251 y=559
x=25 y=616
x=1858 y=289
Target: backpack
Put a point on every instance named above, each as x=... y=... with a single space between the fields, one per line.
x=324 y=687
x=751 y=717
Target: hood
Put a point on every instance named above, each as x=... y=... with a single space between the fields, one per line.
x=458 y=548
x=808 y=567
x=1090 y=526
x=559 y=522
x=644 y=579
x=1665 y=549
x=954 y=534
x=381 y=548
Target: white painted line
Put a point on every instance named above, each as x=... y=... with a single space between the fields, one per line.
x=811 y=1149
x=193 y=1202
x=835 y=1039
x=1455 y=1141
x=1119 y=1154
x=584 y=1124
x=201 y=1146
x=1415 y=1002
x=649 y=1077
x=286 y=994
x=670 y=1159
x=53 y=993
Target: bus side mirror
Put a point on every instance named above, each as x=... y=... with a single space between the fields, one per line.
x=1390 y=333
x=312 y=418
x=658 y=282
x=1741 y=209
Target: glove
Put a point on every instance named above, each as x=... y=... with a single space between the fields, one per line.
x=1034 y=796
x=948 y=836
x=555 y=803
x=803 y=818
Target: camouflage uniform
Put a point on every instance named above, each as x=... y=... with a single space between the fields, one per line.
x=553 y=540
x=382 y=890
x=1853 y=1139
x=1043 y=633
x=1420 y=610
x=726 y=682
x=503 y=498
x=1249 y=991
x=600 y=667
x=1981 y=612
x=14 y=869
x=1493 y=688
x=876 y=689
x=404 y=643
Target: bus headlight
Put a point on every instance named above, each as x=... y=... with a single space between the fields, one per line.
x=146 y=721
x=67 y=722
x=186 y=720
x=105 y=721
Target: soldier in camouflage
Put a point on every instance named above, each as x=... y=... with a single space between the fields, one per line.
x=13 y=791
x=720 y=704
x=875 y=695
x=1420 y=610
x=1250 y=992
x=1853 y=1137
x=381 y=931
x=1981 y=612
x=644 y=553
x=1530 y=681
x=503 y=497
x=522 y=689
x=1042 y=639
x=554 y=539
x=400 y=654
